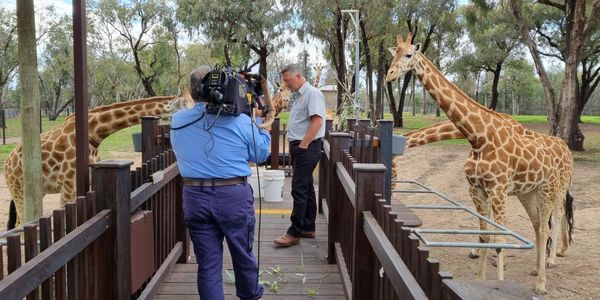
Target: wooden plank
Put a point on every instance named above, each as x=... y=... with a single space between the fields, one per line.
x=45 y=242
x=19 y=283
x=13 y=251
x=400 y=276
x=343 y=270
x=152 y=288
x=81 y=262
x=146 y=190
x=324 y=289
x=295 y=277
x=406 y=215
x=347 y=182
x=72 y=266
x=31 y=250
x=60 y=279
x=489 y=289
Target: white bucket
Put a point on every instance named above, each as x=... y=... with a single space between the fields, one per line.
x=273 y=182
x=253 y=181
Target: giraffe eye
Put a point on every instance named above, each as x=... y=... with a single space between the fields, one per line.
x=409 y=55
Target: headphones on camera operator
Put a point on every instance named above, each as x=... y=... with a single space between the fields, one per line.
x=226 y=93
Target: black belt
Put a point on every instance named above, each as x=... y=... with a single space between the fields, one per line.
x=213 y=181
x=298 y=141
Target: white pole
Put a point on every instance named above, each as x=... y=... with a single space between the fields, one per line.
x=354 y=16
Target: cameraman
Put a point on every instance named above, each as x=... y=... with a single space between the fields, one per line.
x=212 y=153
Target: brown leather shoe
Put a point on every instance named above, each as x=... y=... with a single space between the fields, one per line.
x=286 y=240
x=307 y=234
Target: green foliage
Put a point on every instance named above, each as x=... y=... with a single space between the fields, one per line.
x=4 y=151
x=8 y=48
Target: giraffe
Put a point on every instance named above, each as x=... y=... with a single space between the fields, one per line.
x=318 y=69
x=505 y=159
x=58 y=145
x=281 y=100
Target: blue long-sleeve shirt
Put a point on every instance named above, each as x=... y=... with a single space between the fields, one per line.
x=223 y=151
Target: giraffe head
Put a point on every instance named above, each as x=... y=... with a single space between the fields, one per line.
x=404 y=57
x=281 y=100
x=174 y=105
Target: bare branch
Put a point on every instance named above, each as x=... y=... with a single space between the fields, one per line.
x=553 y=4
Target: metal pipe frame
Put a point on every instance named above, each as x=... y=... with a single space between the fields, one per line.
x=420 y=232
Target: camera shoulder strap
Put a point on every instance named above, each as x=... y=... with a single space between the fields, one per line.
x=190 y=123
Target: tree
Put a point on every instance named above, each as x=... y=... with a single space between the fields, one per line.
x=258 y=25
x=581 y=19
x=30 y=109
x=56 y=78
x=424 y=19
x=324 y=20
x=8 y=49
x=493 y=35
x=135 y=21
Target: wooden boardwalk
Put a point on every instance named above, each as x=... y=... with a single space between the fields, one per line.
x=297 y=272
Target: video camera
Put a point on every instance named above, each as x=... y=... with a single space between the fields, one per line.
x=230 y=93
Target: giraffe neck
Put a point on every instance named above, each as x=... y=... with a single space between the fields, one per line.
x=317 y=78
x=469 y=117
x=106 y=120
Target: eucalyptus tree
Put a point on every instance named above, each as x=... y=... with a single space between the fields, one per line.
x=257 y=25
x=491 y=32
x=56 y=71
x=324 y=20
x=8 y=49
x=520 y=85
x=425 y=19
x=135 y=22
x=579 y=21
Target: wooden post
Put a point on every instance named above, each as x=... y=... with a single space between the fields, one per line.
x=364 y=124
x=385 y=137
x=338 y=141
x=149 y=133
x=110 y=180
x=351 y=124
x=369 y=181
x=275 y=144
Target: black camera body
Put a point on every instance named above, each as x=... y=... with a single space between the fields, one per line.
x=226 y=93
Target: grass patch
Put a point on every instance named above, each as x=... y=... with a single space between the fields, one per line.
x=13 y=125
x=119 y=141
x=4 y=151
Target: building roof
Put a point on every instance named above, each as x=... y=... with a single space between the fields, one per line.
x=328 y=88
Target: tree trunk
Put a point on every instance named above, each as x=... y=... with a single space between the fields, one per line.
x=30 y=112
x=402 y=95
x=392 y=102
x=340 y=66
x=380 y=82
x=514 y=104
x=495 y=81
x=369 y=63
x=424 y=101
x=262 y=61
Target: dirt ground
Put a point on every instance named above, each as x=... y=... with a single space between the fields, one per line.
x=440 y=167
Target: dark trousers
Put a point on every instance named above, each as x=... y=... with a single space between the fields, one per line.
x=212 y=213
x=303 y=192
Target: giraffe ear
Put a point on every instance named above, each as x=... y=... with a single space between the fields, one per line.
x=392 y=50
x=409 y=37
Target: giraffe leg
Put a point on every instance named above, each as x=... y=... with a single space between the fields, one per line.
x=482 y=205
x=540 y=285
x=498 y=201
x=566 y=223
x=555 y=230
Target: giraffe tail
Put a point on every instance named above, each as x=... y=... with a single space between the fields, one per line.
x=569 y=215
x=12 y=216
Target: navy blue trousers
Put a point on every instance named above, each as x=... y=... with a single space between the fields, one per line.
x=212 y=213
x=303 y=191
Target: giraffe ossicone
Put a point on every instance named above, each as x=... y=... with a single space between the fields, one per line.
x=506 y=159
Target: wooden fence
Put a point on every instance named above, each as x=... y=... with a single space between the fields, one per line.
x=85 y=249
x=377 y=254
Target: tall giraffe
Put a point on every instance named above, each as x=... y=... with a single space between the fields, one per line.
x=281 y=100
x=318 y=70
x=505 y=159
x=58 y=145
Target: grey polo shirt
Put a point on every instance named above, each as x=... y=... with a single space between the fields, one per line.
x=306 y=102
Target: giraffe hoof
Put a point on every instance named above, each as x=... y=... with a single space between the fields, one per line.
x=550 y=265
x=473 y=255
x=540 y=290
x=561 y=253
x=533 y=273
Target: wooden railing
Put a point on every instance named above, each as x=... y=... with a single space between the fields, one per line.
x=377 y=255
x=85 y=249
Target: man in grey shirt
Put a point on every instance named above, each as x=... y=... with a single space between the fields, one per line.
x=305 y=133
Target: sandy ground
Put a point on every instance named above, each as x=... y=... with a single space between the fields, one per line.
x=576 y=276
